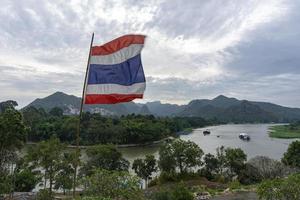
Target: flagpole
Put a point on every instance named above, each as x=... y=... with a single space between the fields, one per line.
x=80 y=116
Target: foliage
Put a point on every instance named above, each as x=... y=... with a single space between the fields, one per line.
x=179 y=192
x=13 y=135
x=280 y=189
x=104 y=157
x=5 y=182
x=235 y=160
x=292 y=156
x=44 y=194
x=112 y=184
x=26 y=180
x=221 y=157
x=95 y=129
x=260 y=168
x=211 y=166
x=179 y=154
x=66 y=169
x=286 y=131
x=10 y=104
x=47 y=155
x=145 y=167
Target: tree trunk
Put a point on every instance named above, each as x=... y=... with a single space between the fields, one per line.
x=74 y=181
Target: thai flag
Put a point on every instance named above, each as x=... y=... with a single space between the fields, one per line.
x=115 y=72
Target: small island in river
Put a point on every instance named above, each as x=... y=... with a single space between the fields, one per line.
x=285 y=131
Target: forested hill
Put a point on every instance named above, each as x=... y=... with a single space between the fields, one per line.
x=221 y=108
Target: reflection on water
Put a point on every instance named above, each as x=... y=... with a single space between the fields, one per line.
x=226 y=135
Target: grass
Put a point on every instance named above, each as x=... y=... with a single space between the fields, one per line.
x=284 y=131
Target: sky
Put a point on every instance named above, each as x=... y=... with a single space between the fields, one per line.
x=195 y=49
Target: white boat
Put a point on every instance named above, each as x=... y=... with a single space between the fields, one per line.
x=244 y=136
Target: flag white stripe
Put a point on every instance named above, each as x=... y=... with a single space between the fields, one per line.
x=137 y=88
x=118 y=57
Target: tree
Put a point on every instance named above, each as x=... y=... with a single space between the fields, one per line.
x=47 y=155
x=13 y=136
x=10 y=104
x=112 y=184
x=292 y=156
x=211 y=165
x=181 y=154
x=235 y=159
x=66 y=171
x=25 y=180
x=105 y=157
x=221 y=157
x=145 y=167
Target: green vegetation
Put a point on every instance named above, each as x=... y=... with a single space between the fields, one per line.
x=185 y=170
x=145 y=167
x=280 y=189
x=96 y=129
x=285 y=131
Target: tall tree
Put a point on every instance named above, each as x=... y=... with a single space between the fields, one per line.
x=181 y=154
x=13 y=136
x=105 y=184
x=292 y=156
x=145 y=167
x=235 y=159
x=105 y=157
x=47 y=155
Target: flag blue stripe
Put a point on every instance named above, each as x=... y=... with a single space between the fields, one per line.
x=125 y=73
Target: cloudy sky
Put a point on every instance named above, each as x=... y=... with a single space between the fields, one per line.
x=195 y=48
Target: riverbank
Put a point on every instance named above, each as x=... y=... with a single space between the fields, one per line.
x=284 y=132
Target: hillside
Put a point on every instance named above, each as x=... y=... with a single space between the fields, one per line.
x=222 y=108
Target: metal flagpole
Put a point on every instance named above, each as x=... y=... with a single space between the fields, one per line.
x=80 y=115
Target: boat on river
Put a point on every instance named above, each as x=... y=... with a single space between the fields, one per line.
x=206 y=132
x=244 y=136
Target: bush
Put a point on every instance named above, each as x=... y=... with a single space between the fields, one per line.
x=179 y=192
x=44 y=195
x=182 y=193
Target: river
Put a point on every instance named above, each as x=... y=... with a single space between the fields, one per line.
x=260 y=143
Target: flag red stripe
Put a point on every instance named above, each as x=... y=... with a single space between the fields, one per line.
x=117 y=44
x=110 y=98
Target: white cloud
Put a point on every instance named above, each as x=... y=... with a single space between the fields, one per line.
x=190 y=44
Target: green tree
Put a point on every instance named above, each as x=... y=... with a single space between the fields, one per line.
x=10 y=104
x=180 y=154
x=13 y=136
x=105 y=157
x=145 y=167
x=26 y=180
x=47 y=155
x=66 y=171
x=292 y=156
x=235 y=160
x=211 y=165
x=221 y=157
x=112 y=184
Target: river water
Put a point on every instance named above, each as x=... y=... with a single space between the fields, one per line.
x=260 y=143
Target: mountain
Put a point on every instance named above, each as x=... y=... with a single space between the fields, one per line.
x=222 y=108
x=71 y=105
x=144 y=110
x=234 y=110
x=159 y=109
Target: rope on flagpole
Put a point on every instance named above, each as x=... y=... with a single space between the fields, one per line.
x=79 y=120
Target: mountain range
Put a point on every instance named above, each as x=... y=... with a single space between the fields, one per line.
x=222 y=108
